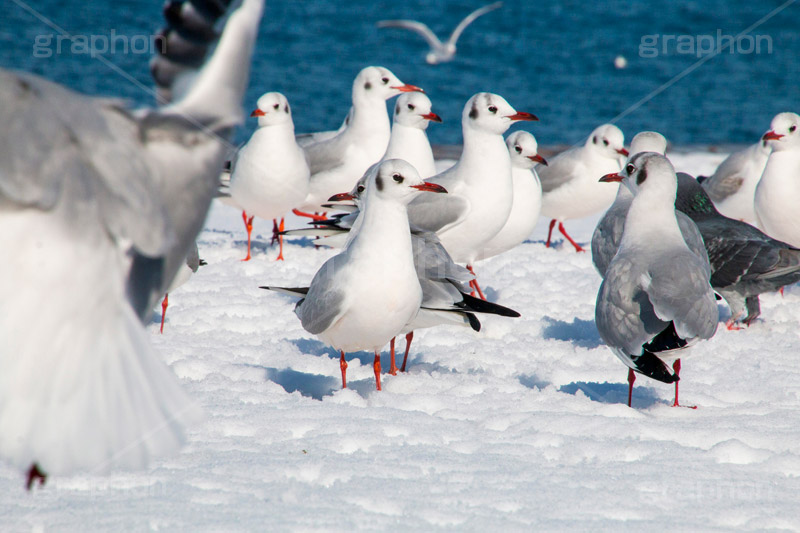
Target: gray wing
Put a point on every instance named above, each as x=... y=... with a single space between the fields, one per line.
x=683 y=295
x=325 y=302
x=727 y=179
x=441 y=279
x=558 y=171
x=434 y=212
x=608 y=233
x=417 y=27
x=325 y=155
x=469 y=19
x=693 y=239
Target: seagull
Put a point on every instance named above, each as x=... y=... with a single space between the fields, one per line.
x=778 y=193
x=569 y=183
x=608 y=233
x=744 y=261
x=523 y=149
x=337 y=163
x=99 y=207
x=363 y=297
x=193 y=263
x=656 y=299
x=480 y=183
x=440 y=52
x=412 y=114
x=733 y=185
x=269 y=175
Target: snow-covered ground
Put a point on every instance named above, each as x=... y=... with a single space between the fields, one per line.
x=521 y=427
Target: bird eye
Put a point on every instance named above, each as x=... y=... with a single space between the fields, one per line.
x=411 y=107
x=385 y=80
x=492 y=109
x=630 y=169
x=792 y=129
x=276 y=106
x=605 y=142
x=360 y=189
x=397 y=177
x=518 y=148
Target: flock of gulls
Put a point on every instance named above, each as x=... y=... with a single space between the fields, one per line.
x=86 y=181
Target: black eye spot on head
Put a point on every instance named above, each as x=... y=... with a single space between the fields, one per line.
x=286 y=108
x=518 y=148
x=397 y=177
x=641 y=177
x=385 y=80
x=411 y=107
x=473 y=113
x=397 y=109
x=594 y=139
x=492 y=109
x=368 y=86
x=792 y=128
x=630 y=169
x=276 y=106
x=379 y=183
x=605 y=142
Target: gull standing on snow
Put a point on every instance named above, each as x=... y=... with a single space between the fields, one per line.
x=412 y=114
x=269 y=175
x=93 y=232
x=608 y=233
x=732 y=187
x=656 y=298
x=523 y=149
x=480 y=183
x=440 y=52
x=337 y=163
x=570 y=187
x=362 y=298
x=777 y=198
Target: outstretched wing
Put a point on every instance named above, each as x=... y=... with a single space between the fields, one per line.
x=417 y=27
x=470 y=18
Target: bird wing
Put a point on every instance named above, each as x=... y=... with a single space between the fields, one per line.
x=559 y=171
x=326 y=300
x=417 y=27
x=436 y=212
x=470 y=18
x=693 y=238
x=608 y=234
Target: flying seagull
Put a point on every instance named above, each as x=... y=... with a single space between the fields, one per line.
x=440 y=52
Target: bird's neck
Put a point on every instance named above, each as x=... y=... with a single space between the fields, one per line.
x=651 y=219
x=485 y=154
x=370 y=117
x=383 y=231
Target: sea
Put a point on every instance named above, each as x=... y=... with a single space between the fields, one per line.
x=700 y=72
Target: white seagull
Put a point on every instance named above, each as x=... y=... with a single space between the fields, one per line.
x=440 y=52
x=777 y=198
x=412 y=114
x=523 y=149
x=269 y=175
x=656 y=298
x=99 y=208
x=570 y=187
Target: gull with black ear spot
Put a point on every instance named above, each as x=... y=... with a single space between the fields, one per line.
x=363 y=297
x=655 y=300
x=337 y=163
x=569 y=183
x=412 y=114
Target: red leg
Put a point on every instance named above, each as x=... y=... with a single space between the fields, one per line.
x=781 y=291
x=164 y=304
x=474 y=284
x=312 y=216
x=409 y=338
x=392 y=365
x=377 y=367
x=631 y=380
x=33 y=474
x=343 y=366
x=248 y=224
x=676 y=366
x=550 y=232
x=731 y=325
x=280 y=241
x=577 y=246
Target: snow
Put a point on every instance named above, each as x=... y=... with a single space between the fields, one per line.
x=520 y=427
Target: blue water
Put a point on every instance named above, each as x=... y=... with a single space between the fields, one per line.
x=554 y=59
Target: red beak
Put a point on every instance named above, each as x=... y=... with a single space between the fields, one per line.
x=408 y=88
x=521 y=115
x=430 y=187
x=611 y=178
x=623 y=151
x=538 y=159
x=771 y=136
x=257 y=113
x=341 y=197
x=432 y=116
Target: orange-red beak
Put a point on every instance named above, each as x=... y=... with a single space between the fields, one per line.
x=611 y=178
x=257 y=113
x=521 y=115
x=771 y=136
x=623 y=151
x=432 y=117
x=341 y=197
x=429 y=187
x=538 y=159
x=407 y=88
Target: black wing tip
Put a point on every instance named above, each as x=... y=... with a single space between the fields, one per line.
x=651 y=366
x=474 y=323
x=476 y=305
